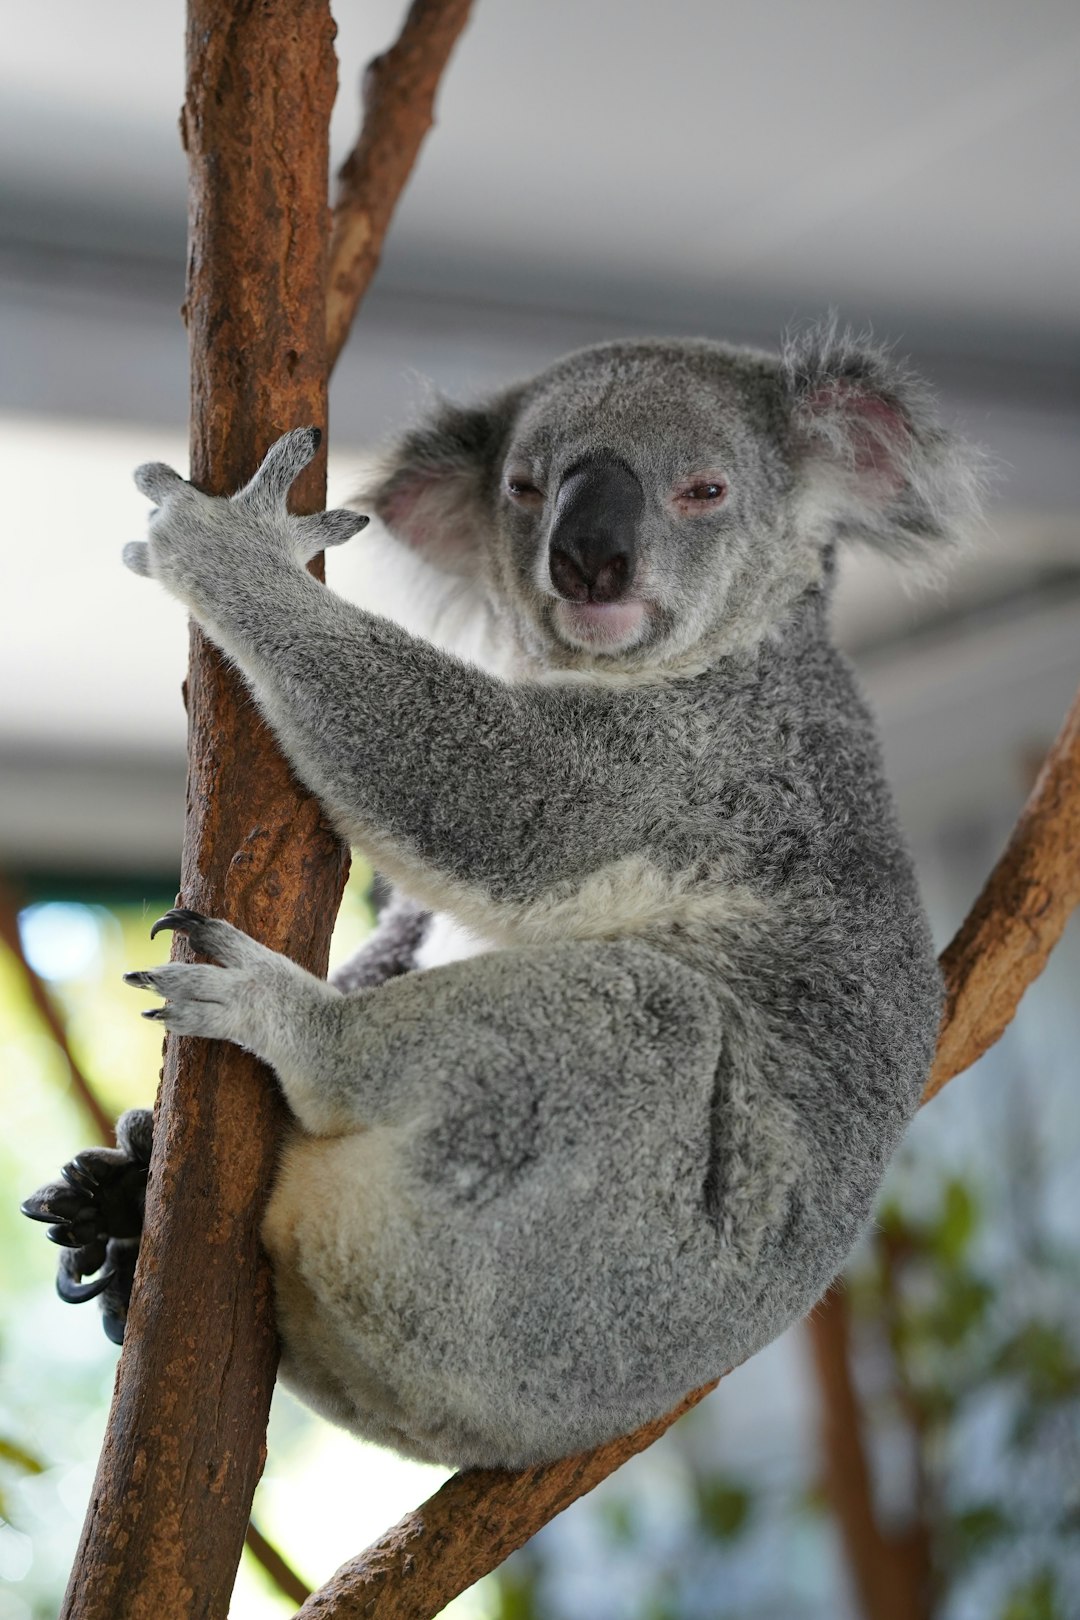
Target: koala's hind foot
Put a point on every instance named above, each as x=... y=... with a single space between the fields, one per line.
x=96 y=1215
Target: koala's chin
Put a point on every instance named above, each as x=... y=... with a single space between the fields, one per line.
x=601 y=627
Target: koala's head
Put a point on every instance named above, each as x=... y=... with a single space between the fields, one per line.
x=644 y=502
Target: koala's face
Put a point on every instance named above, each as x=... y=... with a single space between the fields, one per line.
x=633 y=483
x=642 y=499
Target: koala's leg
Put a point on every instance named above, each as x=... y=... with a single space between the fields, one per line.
x=390 y=949
x=96 y=1212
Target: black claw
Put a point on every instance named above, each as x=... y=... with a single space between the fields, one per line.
x=316 y=437
x=156 y=1013
x=114 y=1326
x=179 y=918
x=53 y=1203
x=138 y=978
x=77 y=1293
x=78 y=1174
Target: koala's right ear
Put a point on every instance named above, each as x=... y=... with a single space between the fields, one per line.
x=867 y=435
x=435 y=490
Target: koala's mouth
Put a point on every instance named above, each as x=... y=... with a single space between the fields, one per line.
x=608 y=627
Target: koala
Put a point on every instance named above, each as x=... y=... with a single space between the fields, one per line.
x=533 y=1195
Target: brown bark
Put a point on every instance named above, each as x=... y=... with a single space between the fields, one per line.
x=892 y=1574
x=267 y=1555
x=1018 y=918
x=398 y=96
x=476 y=1520
x=185 y=1442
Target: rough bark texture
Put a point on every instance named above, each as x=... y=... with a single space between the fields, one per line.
x=399 y=96
x=185 y=1443
x=891 y=1574
x=476 y=1520
x=1019 y=916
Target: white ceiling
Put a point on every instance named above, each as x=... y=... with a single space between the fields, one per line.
x=920 y=157
x=597 y=166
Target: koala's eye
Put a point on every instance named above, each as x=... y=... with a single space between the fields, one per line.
x=521 y=490
x=703 y=491
x=701 y=494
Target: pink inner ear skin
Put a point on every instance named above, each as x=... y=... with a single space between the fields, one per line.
x=431 y=512
x=877 y=432
x=398 y=507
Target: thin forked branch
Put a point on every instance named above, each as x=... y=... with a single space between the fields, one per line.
x=398 y=98
x=477 y=1519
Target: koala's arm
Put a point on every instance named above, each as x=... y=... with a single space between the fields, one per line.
x=433 y=765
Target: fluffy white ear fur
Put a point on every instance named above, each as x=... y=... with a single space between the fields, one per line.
x=878 y=466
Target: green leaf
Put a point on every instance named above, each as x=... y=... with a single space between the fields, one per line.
x=975 y=1530
x=1036 y=1599
x=12 y=1452
x=1042 y=1354
x=955 y=1226
x=961 y=1307
x=618 y=1519
x=724 y=1507
x=515 y=1594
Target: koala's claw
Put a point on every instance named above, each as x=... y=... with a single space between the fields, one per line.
x=69 y=1283
x=181 y=921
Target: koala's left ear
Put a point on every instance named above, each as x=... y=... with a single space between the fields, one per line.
x=435 y=490
x=878 y=463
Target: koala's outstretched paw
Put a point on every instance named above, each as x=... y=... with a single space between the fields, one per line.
x=229 y=1002
x=194 y=537
x=96 y=1215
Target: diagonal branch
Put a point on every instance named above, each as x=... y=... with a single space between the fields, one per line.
x=1018 y=918
x=398 y=99
x=46 y=1007
x=477 y=1519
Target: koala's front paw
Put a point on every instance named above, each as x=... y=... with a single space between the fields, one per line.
x=229 y=1002
x=96 y=1215
x=199 y=543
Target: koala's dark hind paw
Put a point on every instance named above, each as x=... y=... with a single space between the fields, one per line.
x=96 y=1215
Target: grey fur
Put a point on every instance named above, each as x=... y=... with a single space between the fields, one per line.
x=536 y=1195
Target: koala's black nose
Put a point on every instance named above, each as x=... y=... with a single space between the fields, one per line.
x=592 y=550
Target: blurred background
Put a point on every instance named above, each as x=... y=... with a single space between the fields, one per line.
x=598 y=168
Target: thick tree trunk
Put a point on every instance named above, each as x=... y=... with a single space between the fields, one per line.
x=170 y=1504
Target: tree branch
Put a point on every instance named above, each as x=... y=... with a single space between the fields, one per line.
x=398 y=100
x=891 y=1574
x=467 y=1528
x=279 y=1570
x=1018 y=918
x=477 y=1519
x=46 y=1007
x=185 y=1442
